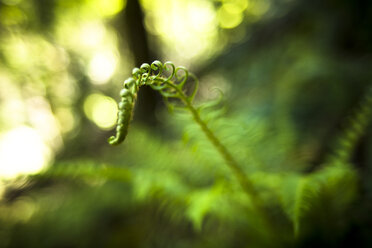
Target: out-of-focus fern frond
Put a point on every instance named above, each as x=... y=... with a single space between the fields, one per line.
x=87 y=170
x=333 y=186
x=355 y=128
x=202 y=202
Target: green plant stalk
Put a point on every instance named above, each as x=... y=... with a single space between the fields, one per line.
x=229 y=159
x=243 y=180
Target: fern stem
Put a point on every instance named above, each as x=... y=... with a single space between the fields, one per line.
x=243 y=180
x=229 y=159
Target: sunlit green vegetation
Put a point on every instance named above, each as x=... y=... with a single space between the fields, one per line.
x=284 y=86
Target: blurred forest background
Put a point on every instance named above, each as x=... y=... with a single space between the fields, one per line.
x=295 y=77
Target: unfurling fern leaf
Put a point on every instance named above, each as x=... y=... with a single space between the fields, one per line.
x=173 y=86
x=125 y=106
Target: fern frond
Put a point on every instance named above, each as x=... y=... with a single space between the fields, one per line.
x=302 y=195
x=305 y=194
x=86 y=170
x=336 y=179
x=354 y=130
x=173 y=86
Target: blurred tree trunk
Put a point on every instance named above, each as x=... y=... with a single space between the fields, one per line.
x=130 y=27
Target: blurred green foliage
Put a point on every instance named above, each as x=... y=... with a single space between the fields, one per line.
x=295 y=111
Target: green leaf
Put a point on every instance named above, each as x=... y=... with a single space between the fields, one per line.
x=201 y=202
x=334 y=186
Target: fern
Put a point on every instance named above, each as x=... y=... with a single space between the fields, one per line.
x=169 y=87
x=86 y=170
x=336 y=177
x=173 y=86
x=299 y=200
x=355 y=128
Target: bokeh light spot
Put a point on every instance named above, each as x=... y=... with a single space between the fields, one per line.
x=178 y=23
x=92 y=34
x=22 y=151
x=66 y=119
x=202 y=16
x=102 y=67
x=101 y=110
x=259 y=8
x=109 y=8
x=229 y=15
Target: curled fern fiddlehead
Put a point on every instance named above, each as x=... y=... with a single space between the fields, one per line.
x=171 y=86
x=128 y=97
